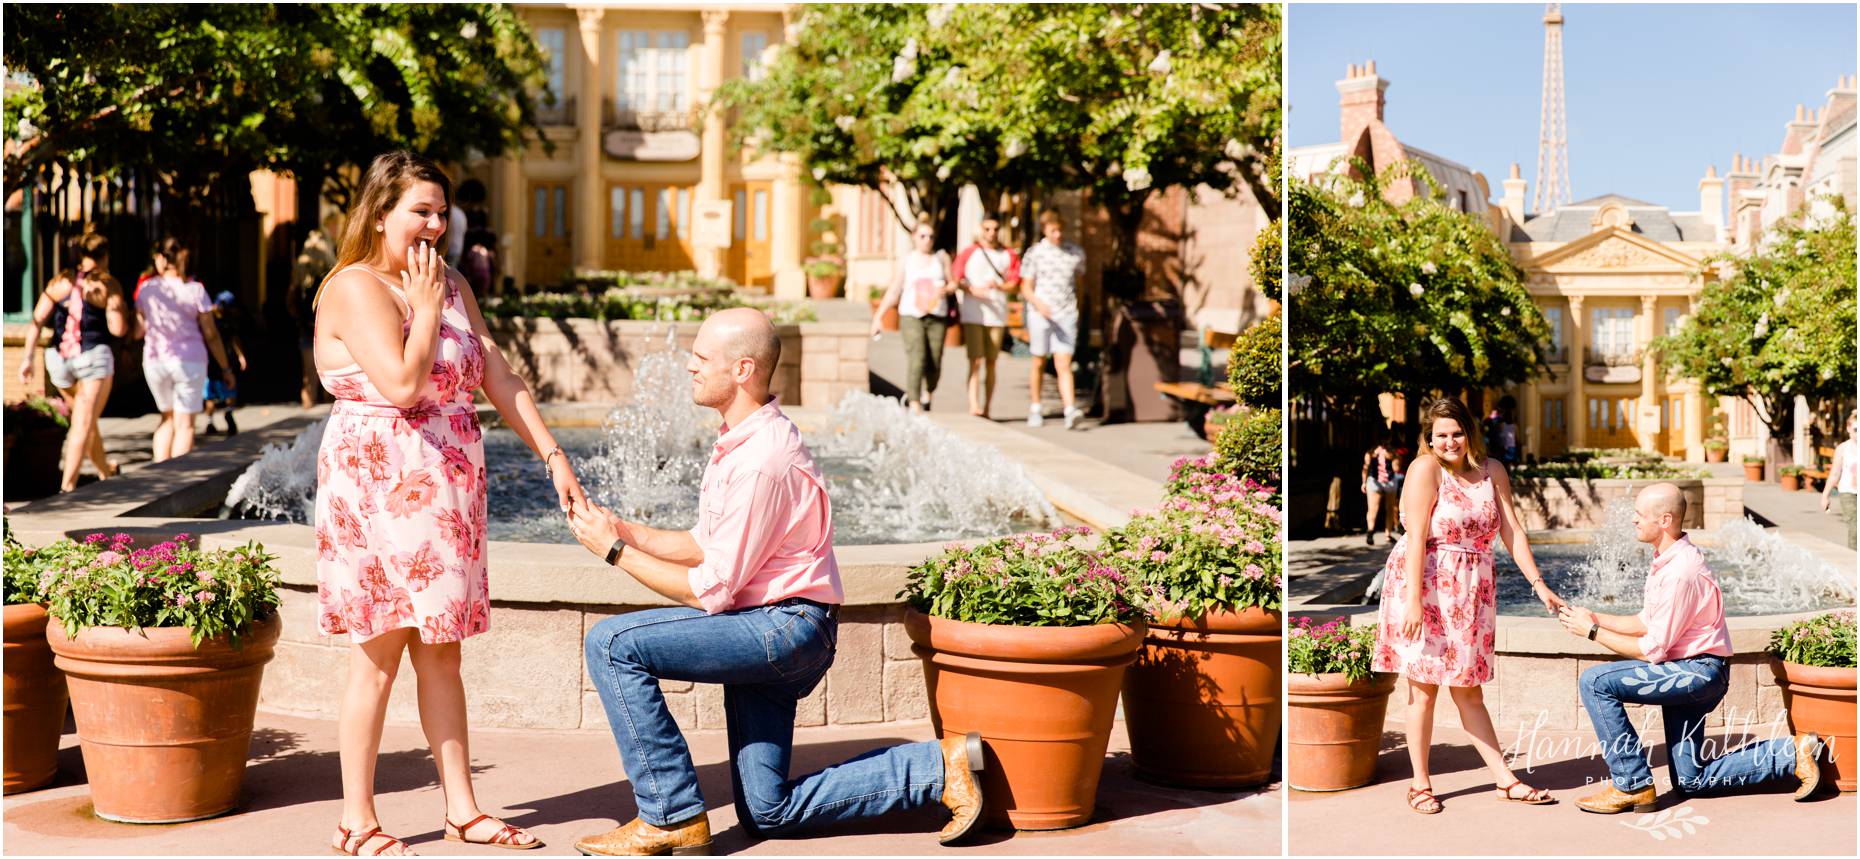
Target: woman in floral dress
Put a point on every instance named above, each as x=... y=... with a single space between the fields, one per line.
x=400 y=505
x=1439 y=608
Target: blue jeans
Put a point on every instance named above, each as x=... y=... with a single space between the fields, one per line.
x=1686 y=691
x=767 y=659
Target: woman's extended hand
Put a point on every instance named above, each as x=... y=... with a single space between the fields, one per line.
x=568 y=492
x=424 y=281
x=1552 y=603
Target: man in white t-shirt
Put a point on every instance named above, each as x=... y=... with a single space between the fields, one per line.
x=988 y=273
x=1050 y=274
x=1844 y=478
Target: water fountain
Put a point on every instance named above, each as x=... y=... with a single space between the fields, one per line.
x=893 y=477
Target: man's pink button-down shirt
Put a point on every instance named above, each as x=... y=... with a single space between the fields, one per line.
x=1683 y=610
x=764 y=521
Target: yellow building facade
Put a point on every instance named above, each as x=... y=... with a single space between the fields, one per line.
x=636 y=181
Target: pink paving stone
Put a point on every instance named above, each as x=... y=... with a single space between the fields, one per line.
x=565 y=784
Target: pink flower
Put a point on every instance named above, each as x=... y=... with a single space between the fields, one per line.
x=411 y=495
x=184 y=599
x=108 y=558
x=1158 y=557
x=204 y=597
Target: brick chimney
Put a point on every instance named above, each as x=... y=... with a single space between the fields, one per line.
x=1740 y=184
x=1360 y=96
x=1513 y=202
x=1711 y=201
x=1799 y=132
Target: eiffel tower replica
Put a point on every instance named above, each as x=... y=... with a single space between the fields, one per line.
x=1552 y=186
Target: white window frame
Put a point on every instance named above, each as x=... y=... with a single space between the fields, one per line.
x=558 y=62
x=652 y=71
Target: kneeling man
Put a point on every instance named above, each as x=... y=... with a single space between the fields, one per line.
x=760 y=593
x=1676 y=653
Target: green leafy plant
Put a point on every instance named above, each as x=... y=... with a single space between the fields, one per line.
x=1753 y=460
x=1825 y=641
x=1334 y=647
x=1594 y=470
x=1254 y=364
x=1213 y=545
x=1791 y=471
x=1716 y=444
x=1249 y=445
x=106 y=581
x=1026 y=580
x=1266 y=264
x=620 y=303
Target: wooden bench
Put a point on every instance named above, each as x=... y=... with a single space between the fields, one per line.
x=1219 y=394
x=1826 y=455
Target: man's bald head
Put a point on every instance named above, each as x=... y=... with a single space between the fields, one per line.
x=1654 y=503
x=745 y=332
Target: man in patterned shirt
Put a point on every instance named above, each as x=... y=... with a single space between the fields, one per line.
x=1050 y=274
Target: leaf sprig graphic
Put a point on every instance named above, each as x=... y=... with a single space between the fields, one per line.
x=1672 y=823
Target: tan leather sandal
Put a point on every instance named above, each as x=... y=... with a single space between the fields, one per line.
x=1532 y=795
x=1423 y=807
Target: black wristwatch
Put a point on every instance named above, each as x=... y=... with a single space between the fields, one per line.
x=613 y=554
x=1593 y=626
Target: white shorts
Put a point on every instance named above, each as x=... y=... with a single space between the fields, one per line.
x=97 y=362
x=179 y=386
x=1046 y=337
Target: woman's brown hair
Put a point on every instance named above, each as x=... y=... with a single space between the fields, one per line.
x=1451 y=408
x=387 y=179
x=174 y=251
x=91 y=246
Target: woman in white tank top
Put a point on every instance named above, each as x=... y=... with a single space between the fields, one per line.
x=1844 y=477
x=920 y=291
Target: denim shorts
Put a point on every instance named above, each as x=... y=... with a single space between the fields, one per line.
x=97 y=362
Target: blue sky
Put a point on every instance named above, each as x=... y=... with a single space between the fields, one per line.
x=1654 y=92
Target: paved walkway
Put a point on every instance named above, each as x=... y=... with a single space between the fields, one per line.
x=1800 y=511
x=1375 y=819
x=1145 y=449
x=562 y=785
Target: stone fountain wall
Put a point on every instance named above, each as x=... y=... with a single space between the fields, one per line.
x=1547 y=504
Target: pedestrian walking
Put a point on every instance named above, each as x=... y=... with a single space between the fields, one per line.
x=175 y=322
x=987 y=272
x=921 y=292
x=222 y=379
x=1844 y=478
x=87 y=312
x=1050 y=275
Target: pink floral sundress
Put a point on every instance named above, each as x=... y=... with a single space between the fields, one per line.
x=1459 y=592
x=400 y=500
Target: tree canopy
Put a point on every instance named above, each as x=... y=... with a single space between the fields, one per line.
x=1778 y=323
x=1409 y=298
x=194 y=90
x=1117 y=100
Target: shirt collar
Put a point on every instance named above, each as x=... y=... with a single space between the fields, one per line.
x=1672 y=552
x=730 y=438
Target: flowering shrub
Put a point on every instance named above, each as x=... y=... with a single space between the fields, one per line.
x=105 y=581
x=1826 y=641
x=1334 y=647
x=23 y=567
x=1027 y=580
x=1213 y=545
x=35 y=408
x=1597 y=470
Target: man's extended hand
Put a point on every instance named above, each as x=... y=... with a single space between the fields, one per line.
x=1577 y=620
x=594 y=527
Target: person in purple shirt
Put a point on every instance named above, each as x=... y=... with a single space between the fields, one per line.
x=1676 y=654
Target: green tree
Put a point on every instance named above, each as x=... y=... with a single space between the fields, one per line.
x=1118 y=100
x=1412 y=298
x=204 y=92
x=1778 y=323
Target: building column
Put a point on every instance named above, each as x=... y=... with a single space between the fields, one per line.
x=1530 y=412
x=710 y=187
x=1648 y=420
x=787 y=230
x=588 y=190
x=1578 y=411
x=513 y=227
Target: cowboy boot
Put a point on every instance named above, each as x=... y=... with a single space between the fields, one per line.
x=1807 y=764
x=962 y=790
x=1610 y=800
x=688 y=837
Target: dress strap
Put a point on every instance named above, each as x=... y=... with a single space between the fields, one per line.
x=400 y=295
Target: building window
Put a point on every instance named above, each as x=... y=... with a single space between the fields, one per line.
x=616 y=212
x=1553 y=413
x=652 y=68
x=539 y=218
x=762 y=216
x=554 y=42
x=753 y=45
x=1613 y=330
x=1554 y=316
x=636 y=213
x=684 y=213
x=1671 y=323
x=662 y=226
x=561 y=212
x=739 y=216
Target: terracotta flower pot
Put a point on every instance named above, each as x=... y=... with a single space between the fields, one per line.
x=1044 y=699
x=1715 y=454
x=1335 y=730
x=1821 y=700
x=1753 y=472
x=1202 y=701
x=35 y=701
x=165 y=728
x=1790 y=482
